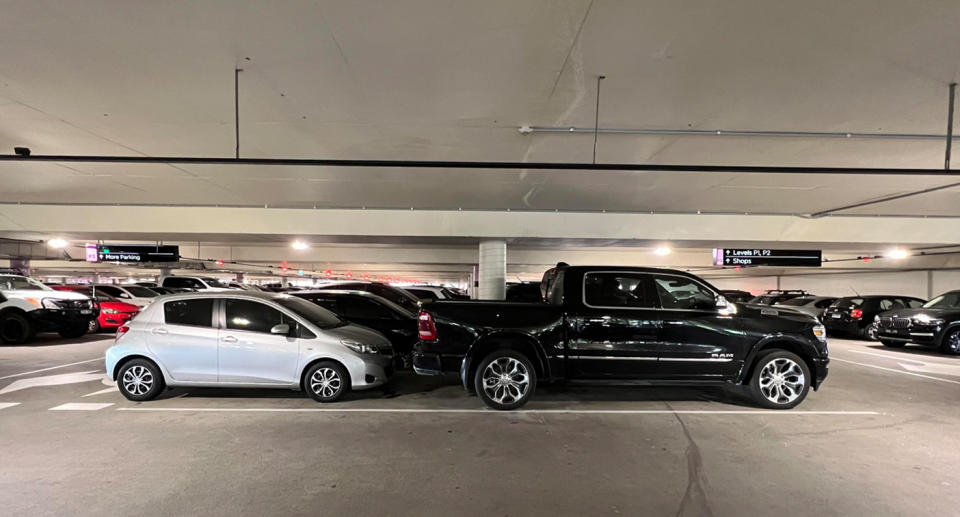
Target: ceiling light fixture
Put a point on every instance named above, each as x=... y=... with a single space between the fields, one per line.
x=300 y=245
x=897 y=253
x=57 y=242
x=663 y=251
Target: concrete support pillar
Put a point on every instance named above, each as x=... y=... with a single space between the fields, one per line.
x=284 y=281
x=492 y=270
x=164 y=273
x=239 y=278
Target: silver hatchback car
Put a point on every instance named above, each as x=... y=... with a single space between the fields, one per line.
x=245 y=339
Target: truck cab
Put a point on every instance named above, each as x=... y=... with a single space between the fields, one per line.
x=27 y=307
x=617 y=324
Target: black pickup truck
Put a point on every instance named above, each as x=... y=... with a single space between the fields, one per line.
x=622 y=324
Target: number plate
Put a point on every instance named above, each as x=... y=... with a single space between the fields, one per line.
x=85 y=311
x=835 y=315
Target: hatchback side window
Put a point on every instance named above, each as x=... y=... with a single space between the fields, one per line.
x=618 y=290
x=175 y=282
x=198 y=312
x=361 y=308
x=112 y=291
x=678 y=292
x=252 y=316
x=886 y=304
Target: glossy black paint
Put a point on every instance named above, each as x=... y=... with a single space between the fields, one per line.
x=923 y=326
x=569 y=339
x=398 y=326
x=838 y=317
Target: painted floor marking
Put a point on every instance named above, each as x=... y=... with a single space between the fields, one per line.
x=80 y=406
x=5 y=405
x=534 y=411
x=899 y=357
x=52 y=380
x=50 y=368
x=894 y=370
x=101 y=392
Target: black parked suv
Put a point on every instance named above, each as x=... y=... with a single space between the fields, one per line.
x=603 y=323
x=856 y=314
x=775 y=296
x=935 y=324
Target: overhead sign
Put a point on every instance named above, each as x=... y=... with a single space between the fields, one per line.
x=91 y=252
x=767 y=257
x=137 y=253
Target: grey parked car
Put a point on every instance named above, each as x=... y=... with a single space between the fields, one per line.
x=812 y=305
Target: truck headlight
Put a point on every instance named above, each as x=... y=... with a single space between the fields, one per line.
x=360 y=348
x=49 y=303
x=820 y=332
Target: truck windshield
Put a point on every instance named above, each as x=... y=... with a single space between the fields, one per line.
x=22 y=283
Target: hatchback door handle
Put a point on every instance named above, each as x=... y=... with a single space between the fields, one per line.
x=228 y=339
x=159 y=331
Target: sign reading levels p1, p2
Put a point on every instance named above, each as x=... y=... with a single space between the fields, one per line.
x=767 y=257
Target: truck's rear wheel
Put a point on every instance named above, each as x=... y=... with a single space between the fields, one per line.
x=780 y=380
x=505 y=380
x=15 y=329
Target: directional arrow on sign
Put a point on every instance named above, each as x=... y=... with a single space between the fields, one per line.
x=53 y=380
x=937 y=368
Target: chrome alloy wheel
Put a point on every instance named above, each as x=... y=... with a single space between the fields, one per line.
x=952 y=343
x=781 y=381
x=137 y=380
x=506 y=380
x=325 y=382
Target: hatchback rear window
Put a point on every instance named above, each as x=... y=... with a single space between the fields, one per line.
x=197 y=312
x=849 y=303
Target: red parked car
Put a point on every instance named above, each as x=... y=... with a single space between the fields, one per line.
x=113 y=312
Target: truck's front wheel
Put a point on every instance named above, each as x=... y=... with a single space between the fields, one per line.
x=505 y=380
x=15 y=329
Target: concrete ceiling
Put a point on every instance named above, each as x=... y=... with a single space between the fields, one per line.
x=438 y=80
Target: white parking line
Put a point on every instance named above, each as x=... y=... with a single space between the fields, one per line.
x=899 y=357
x=535 y=411
x=894 y=370
x=5 y=405
x=80 y=406
x=101 y=392
x=50 y=368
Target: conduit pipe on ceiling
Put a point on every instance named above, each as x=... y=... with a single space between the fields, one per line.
x=725 y=132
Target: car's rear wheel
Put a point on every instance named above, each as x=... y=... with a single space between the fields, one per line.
x=893 y=344
x=139 y=380
x=951 y=343
x=780 y=380
x=94 y=326
x=15 y=329
x=505 y=380
x=74 y=331
x=327 y=381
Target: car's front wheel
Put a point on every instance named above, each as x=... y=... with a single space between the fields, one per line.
x=15 y=329
x=505 y=380
x=139 y=380
x=93 y=326
x=951 y=343
x=327 y=381
x=780 y=380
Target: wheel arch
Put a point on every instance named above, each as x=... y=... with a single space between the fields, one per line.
x=303 y=372
x=519 y=341
x=127 y=358
x=802 y=349
x=946 y=332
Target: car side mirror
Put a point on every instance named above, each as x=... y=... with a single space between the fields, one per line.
x=283 y=329
x=722 y=302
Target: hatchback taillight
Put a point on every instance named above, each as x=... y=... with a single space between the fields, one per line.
x=426 y=328
x=856 y=314
x=121 y=331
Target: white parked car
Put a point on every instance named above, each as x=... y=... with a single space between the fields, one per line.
x=27 y=307
x=135 y=294
x=195 y=283
x=246 y=339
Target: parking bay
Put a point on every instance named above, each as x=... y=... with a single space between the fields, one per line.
x=874 y=432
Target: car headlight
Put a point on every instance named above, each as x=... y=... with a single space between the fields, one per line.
x=876 y=318
x=110 y=311
x=925 y=319
x=360 y=348
x=49 y=303
x=820 y=332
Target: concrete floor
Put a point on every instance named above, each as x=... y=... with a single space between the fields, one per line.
x=882 y=437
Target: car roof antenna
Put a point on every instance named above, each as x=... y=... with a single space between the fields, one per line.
x=854 y=291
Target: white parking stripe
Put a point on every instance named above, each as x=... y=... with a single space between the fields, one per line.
x=535 y=411
x=50 y=368
x=5 y=405
x=900 y=357
x=101 y=392
x=80 y=406
x=894 y=370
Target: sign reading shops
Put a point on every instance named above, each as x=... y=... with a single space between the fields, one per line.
x=767 y=257
x=137 y=253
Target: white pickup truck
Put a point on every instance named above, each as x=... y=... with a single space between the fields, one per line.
x=28 y=307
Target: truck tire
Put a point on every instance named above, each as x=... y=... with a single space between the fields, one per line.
x=505 y=380
x=780 y=380
x=15 y=329
x=74 y=331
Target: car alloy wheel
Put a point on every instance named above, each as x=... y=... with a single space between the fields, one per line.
x=93 y=326
x=782 y=381
x=137 y=380
x=326 y=382
x=506 y=380
x=951 y=343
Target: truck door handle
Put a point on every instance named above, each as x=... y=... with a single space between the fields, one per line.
x=160 y=331
x=228 y=339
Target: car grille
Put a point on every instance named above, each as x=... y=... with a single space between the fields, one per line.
x=73 y=304
x=895 y=323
